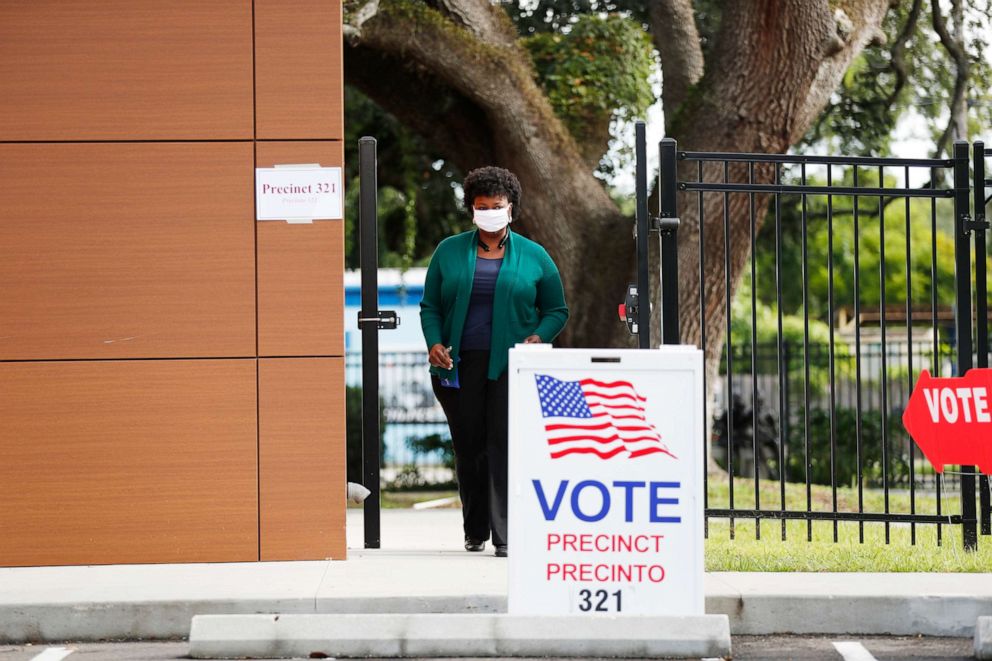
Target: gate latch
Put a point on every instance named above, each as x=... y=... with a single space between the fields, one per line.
x=628 y=309
x=384 y=320
x=666 y=225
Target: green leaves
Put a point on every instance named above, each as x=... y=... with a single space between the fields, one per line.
x=596 y=70
x=910 y=73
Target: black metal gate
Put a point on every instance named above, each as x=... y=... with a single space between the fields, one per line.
x=980 y=225
x=834 y=373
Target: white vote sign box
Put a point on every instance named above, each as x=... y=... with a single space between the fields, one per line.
x=606 y=481
x=298 y=193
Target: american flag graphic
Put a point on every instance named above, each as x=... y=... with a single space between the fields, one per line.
x=600 y=418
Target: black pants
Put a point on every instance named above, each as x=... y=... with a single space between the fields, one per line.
x=476 y=413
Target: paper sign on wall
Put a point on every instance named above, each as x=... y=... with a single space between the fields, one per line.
x=298 y=193
x=605 y=472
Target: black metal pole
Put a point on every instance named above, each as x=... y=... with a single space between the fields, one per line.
x=962 y=268
x=643 y=227
x=981 y=310
x=669 y=242
x=369 y=262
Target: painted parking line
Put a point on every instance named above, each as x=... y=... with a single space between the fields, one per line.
x=54 y=654
x=853 y=651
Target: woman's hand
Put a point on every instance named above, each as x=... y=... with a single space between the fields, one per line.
x=440 y=356
x=533 y=339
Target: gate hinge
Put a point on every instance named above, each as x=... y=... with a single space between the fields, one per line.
x=977 y=225
x=384 y=320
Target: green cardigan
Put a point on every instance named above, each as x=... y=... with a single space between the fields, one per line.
x=529 y=299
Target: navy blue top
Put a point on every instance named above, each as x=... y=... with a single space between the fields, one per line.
x=478 y=330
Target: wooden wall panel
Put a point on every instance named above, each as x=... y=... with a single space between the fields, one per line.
x=126 y=250
x=127 y=231
x=120 y=69
x=128 y=462
x=300 y=269
x=301 y=458
x=299 y=88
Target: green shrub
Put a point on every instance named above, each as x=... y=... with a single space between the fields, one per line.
x=353 y=420
x=845 y=435
x=434 y=443
x=846 y=448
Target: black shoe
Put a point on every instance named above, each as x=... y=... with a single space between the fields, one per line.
x=474 y=545
x=501 y=551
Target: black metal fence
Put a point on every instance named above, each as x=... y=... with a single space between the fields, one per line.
x=416 y=434
x=414 y=431
x=851 y=275
x=765 y=391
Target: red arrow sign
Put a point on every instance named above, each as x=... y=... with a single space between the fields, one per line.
x=951 y=419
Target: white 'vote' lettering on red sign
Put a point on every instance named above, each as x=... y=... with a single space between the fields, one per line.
x=968 y=403
x=949 y=419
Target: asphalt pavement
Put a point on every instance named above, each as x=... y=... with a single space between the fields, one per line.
x=746 y=648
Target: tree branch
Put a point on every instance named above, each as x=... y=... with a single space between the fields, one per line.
x=786 y=79
x=673 y=28
x=450 y=123
x=957 y=125
x=840 y=212
x=356 y=13
x=953 y=47
x=898 y=51
x=482 y=18
x=853 y=26
x=493 y=76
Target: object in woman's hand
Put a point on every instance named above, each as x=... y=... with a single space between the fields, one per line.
x=450 y=383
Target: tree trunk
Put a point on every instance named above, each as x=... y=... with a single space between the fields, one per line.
x=771 y=72
x=774 y=66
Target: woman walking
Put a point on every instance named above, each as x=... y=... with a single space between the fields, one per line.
x=486 y=290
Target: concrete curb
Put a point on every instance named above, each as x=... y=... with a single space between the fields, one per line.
x=983 y=638
x=857 y=604
x=930 y=615
x=89 y=621
x=434 y=635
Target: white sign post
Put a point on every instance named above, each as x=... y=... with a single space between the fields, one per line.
x=298 y=193
x=605 y=470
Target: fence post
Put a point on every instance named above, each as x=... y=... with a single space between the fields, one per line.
x=643 y=228
x=963 y=320
x=369 y=262
x=981 y=309
x=669 y=224
x=787 y=407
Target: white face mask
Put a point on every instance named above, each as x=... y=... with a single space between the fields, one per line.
x=491 y=220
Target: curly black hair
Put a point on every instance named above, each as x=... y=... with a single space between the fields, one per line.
x=492 y=181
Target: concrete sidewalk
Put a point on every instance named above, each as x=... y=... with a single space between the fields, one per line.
x=423 y=569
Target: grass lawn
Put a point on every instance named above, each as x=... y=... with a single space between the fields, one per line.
x=740 y=550
x=771 y=554
x=744 y=552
